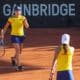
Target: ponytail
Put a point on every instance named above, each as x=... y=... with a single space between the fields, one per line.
x=65 y=47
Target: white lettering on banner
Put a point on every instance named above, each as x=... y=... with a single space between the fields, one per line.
x=63 y=9
x=55 y=10
x=13 y=9
x=6 y=10
x=27 y=10
x=35 y=10
x=41 y=9
x=71 y=10
x=49 y=10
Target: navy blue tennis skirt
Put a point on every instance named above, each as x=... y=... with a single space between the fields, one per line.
x=17 y=39
x=65 y=75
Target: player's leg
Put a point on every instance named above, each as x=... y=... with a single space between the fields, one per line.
x=21 y=47
x=17 y=56
x=18 y=44
x=18 y=49
x=22 y=38
x=17 y=53
x=14 y=58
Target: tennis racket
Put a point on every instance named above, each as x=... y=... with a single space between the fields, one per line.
x=2 y=47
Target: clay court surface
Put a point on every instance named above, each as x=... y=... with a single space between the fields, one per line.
x=38 y=54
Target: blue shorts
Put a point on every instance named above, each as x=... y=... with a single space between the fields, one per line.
x=17 y=39
x=65 y=75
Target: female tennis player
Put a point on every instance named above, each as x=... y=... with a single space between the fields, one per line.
x=63 y=59
x=17 y=22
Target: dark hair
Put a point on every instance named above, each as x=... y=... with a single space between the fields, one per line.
x=65 y=47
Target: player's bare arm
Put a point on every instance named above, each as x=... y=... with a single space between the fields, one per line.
x=55 y=59
x=5 y=28
x=54 y=63
x=26 y=24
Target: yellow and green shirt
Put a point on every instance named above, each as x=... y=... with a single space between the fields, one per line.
x=17 y=26
x=64 y=61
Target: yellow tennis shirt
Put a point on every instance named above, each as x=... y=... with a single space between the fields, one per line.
x=17 y=26
x=64 y=61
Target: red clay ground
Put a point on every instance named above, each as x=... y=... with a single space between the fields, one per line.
x=38 y=54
